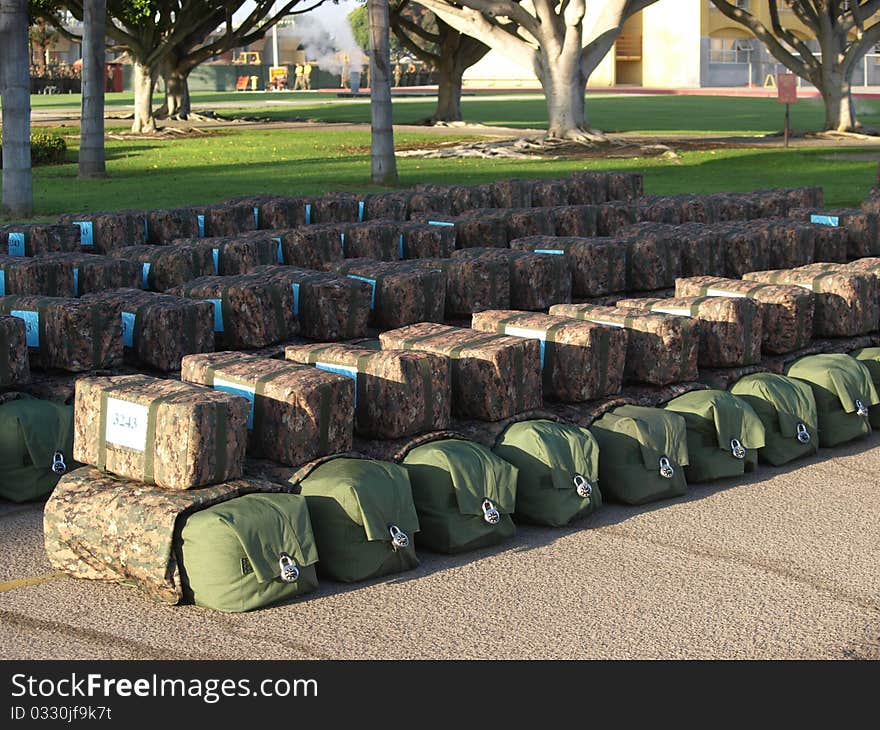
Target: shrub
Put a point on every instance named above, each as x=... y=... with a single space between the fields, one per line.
x=46 y=149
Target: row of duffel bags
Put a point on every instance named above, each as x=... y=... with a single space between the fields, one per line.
x=357 y=519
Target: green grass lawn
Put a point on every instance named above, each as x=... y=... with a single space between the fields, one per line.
x=705 y=115
x=165 y=173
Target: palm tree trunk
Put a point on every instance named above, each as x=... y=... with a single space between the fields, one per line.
x=15 y=82
x=91 y=145
x=382 y=161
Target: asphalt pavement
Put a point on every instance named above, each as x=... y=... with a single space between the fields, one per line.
x=780 y=565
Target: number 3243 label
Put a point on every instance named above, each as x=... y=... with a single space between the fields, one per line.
x=126 y=424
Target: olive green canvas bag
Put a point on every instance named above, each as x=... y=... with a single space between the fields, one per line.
x=464 y=495
x=363 y=518
x=642 y=454
x=558 y=467
x=844 y=392
x=787 y=409
x=36 y=443
x=723 y=434
x=247 y=553
x=870 y=358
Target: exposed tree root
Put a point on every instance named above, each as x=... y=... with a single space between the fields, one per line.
x=585 y=135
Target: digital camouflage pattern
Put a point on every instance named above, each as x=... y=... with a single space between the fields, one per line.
x=862 y=227
x=234 y=256
x=387 y=206
x=536 y=281
x=311 y=247
x=472 y=285
x=282 y=212
x=511 y=193
x=745 y=250
x=574 y=220
x=296 y=413
x=161 y=268
x=400 y=293
x=493 y=376
x=702 y=250
x=623 y=185
x=158 y=330
x=580 y=361
x=90 y=273
x=38 y=276
x=106 y=232
x=68 y=334
x=731 y=330
x=786 y=311
x=228 y=219
x=33 y=239
x=161 y=432
x=165 y=226
x=398 y=393
x=249 y=310
x=424 y=241
x=789 y=243
x=846 y=303
x=487 y=230
x=14 y=363
x=336 y=208
x=653 y=259
x=100 y=527
x=524 y=222
x=377 y=240
x=329 y=306
x=598 y=265
x=549 y=193
x=587 y=188
x=613 y=217
x=661 y=349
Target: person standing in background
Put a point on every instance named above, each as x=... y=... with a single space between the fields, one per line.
x=307 y=76
x=298 y=77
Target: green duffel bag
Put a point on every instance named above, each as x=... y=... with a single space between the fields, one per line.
x=558 y=468
x=36 y=443
x=643 y=454
x=363 y=517
x=870 y=358
x=464 y=495
x=247 y=553
x=787 y=409
x=723 y=434
x=844 y=392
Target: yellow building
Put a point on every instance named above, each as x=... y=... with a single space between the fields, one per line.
x=675 y=44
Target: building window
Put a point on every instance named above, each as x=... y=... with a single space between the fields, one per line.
x=730 y=50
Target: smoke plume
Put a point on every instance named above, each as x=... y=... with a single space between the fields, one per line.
x=326 y=38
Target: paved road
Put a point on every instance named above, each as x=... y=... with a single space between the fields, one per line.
x=782 y=565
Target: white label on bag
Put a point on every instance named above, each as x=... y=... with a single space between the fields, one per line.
x=672 y=310
x=825 y=220
x=31 y=325
x=556 y=251
x=245 y=391
x=805 y=286
x=86 y=236
x=721 y=293
x=620 y=325
x=349 y=371
x=201 y=222
x=128 y=329
x=126 y=424
x=529 y=334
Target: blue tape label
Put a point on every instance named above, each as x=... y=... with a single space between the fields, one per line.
x=128 y=329
x=342 y=242
x=308 y=213
x=256 y=216
x=295 y=288
x=218 y=314
x=825 y=220
x=75 y=281
x=280 y=251
x=349 y=371
x=215 y=253
x=16 y=244
x=201 y=220
x=2 y=282
x=31 y=325
x=400 y=247
x=146 y=229
x=245 y=391
x=145 y=276
x=372 y=283
x=441 y=223
x=549 y=250
x=86 y=235
x=360 y=211
x=531 y=334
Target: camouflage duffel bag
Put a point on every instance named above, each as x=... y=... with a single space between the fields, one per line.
x=844 y=392
x=787 y=409
x=247 y=553
x=463 y=493
x=558 y=471
x=644 y=452
x=870 y=358
x=36 y=445
x=723 y=434
x=363 y=517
